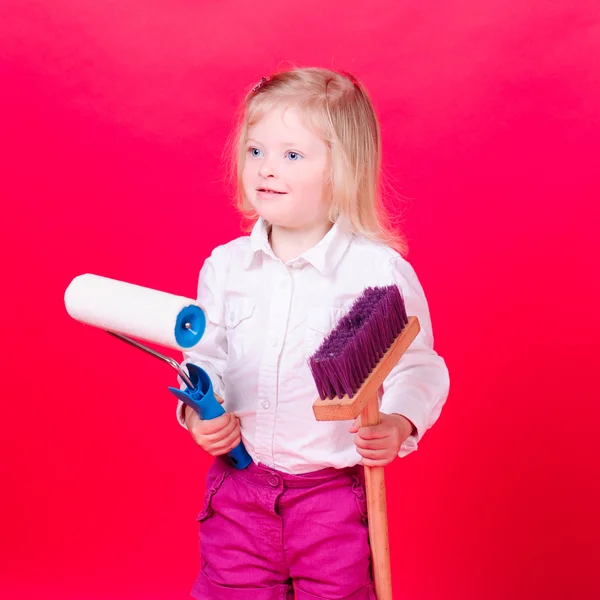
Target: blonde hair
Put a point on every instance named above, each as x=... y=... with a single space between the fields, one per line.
x=338 y=107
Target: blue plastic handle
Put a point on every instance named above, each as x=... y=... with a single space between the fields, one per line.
x=202 y=399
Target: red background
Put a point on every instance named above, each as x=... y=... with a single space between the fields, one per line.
x=113 y=118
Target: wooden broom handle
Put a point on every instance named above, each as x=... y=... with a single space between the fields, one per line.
x=377 y=513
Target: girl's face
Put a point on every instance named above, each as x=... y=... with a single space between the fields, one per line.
x=285 y=170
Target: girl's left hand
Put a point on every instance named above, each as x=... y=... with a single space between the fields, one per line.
x=379 y=444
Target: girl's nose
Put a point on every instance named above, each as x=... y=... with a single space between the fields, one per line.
x=267 y=168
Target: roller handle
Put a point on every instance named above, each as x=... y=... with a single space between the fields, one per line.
x=201 y=398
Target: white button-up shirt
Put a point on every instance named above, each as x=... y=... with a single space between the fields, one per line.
x=266 y=317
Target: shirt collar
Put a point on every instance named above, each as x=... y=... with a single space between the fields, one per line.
x=324 y=256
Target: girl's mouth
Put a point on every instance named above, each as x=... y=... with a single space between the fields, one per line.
x=267 y=191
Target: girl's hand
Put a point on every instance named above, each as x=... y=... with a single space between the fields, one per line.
x=216 y=436
x=379 y=444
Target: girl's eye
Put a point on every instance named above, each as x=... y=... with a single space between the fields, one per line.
x=293 y=155
x=255 y=152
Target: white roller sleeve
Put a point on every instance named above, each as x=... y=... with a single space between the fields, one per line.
x=138 y=312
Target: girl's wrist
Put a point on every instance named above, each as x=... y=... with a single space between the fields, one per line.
x=405 y=424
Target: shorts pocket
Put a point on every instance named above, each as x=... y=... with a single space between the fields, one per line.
x=215 y=486
x=361 y=499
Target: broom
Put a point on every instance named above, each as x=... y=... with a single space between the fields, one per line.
x=348 y=368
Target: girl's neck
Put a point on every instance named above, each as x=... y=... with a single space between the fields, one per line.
x=288 y=243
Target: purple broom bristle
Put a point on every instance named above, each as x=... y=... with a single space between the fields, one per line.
x=352 y=350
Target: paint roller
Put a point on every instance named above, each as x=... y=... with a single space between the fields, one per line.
x=129 y=311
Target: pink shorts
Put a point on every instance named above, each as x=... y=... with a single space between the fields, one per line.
x=267 y=535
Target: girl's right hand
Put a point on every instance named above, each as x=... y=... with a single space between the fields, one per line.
x=216 y=436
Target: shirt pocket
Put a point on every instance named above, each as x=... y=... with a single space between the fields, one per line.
x=320 y=322
x=238 y=321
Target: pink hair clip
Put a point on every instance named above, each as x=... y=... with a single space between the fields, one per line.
x=260 y=84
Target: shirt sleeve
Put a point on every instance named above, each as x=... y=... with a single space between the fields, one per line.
x=210 y=353
x=418 y=386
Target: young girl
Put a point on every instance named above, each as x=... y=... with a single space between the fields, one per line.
x=294 y=523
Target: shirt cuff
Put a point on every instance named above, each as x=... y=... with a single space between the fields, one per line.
x=180 y=413
x=217 y=389
x=412 y=410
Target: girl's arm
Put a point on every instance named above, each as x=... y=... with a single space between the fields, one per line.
x=211 y=352
x=418 y=385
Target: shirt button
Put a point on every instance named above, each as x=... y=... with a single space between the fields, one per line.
x=273 y=340
x=265 y=404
